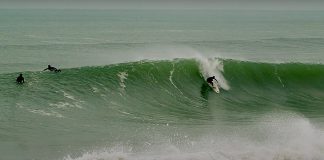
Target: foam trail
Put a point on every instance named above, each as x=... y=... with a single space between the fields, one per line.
x=213 y=67
x=122 y=77
x=170 y=78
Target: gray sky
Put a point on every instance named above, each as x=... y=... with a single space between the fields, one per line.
x=167 y=4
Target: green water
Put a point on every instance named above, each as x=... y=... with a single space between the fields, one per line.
x=132 y=85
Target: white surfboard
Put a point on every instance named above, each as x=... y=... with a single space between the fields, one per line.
x=215 y=87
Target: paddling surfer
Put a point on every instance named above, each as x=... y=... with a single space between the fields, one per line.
x=50 y=68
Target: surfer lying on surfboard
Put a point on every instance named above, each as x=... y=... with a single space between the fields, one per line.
x=50 y=68
x=210 y=80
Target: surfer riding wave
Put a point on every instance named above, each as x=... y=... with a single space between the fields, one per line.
x=210 y=80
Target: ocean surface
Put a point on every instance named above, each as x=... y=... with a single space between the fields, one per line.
x=132 y=85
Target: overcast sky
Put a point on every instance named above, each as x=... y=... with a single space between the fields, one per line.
x=167 y=4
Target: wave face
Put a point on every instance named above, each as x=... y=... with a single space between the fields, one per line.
x=165 y=110
x=288 y=84
x=180 y=83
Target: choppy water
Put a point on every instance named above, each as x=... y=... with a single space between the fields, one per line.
x=132 y=85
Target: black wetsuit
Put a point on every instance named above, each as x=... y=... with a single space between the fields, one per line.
x=210 y=80
x=20 y=79
x=50 y=68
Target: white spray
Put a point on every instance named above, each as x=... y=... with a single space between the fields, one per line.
x=213 y=67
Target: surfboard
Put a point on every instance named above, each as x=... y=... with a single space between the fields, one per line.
x=215 y=87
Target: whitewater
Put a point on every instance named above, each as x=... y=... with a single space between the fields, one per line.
x=132 y=85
